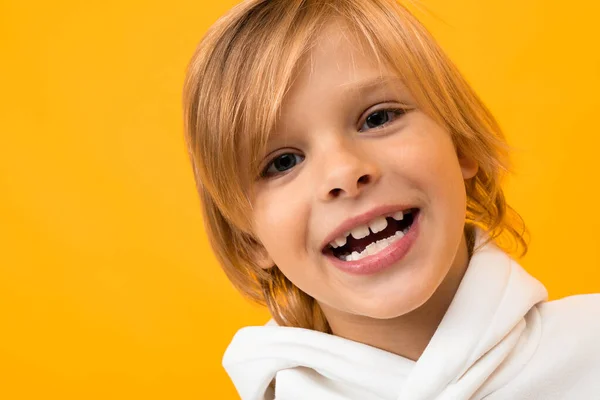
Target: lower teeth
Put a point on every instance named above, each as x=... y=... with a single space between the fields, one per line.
x=375 y=247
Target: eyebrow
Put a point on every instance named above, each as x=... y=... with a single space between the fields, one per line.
x=370 y=85
x=373 y=83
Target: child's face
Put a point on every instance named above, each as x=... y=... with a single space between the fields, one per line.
x=338 y=164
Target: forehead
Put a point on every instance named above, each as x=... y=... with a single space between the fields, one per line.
x=338 y=59
x=339 y=66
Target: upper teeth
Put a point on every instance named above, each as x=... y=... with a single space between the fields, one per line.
x=376 y=225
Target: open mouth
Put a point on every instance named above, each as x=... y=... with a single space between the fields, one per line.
x=353 y=248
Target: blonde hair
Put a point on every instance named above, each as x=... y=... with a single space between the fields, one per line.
x=233 y=92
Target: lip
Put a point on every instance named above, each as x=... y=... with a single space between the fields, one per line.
x=383 y=259
x=361 y=219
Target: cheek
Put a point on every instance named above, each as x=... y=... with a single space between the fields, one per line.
x=280 y=218
x=425 y=160
x=446 y=185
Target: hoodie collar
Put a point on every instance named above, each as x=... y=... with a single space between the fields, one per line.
x=482 y=326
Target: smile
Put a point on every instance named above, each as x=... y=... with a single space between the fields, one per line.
x=374 y=246
x=369 y=239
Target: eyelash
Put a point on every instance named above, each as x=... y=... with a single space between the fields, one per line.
x=398 y=112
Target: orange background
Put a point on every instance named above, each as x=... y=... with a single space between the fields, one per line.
x=108 y=288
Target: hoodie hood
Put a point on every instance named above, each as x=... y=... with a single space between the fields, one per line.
x=488 y=334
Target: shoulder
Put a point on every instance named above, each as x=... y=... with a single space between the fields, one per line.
x=570 y=312
x=566 y=362
x=570 y=328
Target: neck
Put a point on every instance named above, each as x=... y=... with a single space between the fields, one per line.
x=407 y=335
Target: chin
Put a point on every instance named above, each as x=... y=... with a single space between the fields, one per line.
x=406 y=293
x=396 y=304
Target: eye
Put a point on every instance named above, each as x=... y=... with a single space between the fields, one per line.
x=380 y=118
x=280 y=164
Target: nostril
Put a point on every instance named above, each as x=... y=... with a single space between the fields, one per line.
x=364 y=179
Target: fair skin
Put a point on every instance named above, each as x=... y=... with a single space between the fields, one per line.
x=339 y=164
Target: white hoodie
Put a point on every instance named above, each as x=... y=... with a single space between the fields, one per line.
x=499 y=339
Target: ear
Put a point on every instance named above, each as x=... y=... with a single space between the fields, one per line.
x=261 y=257
x=264 y=261
x=468 y=166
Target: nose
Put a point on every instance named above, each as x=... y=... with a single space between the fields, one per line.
x=347 y=171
